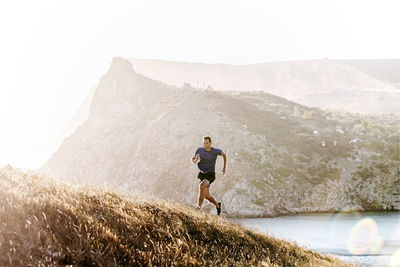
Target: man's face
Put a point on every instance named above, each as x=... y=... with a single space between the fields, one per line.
x=206 y=144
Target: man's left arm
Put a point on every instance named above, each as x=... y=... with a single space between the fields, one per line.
x=224 y=156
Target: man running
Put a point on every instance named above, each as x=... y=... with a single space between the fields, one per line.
x=208 y=156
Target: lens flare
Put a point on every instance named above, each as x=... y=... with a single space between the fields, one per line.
x=395 y=259
x=338 y=219
x=364 y=237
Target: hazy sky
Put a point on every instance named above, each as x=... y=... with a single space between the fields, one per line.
x=53 y=52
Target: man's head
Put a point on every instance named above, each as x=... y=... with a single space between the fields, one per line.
x=207 y=142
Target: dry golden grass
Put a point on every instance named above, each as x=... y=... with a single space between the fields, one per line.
x=44 y=222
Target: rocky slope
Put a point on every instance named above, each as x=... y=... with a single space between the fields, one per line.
x=282 y=157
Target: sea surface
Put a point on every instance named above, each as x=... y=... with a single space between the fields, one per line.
x=364 y=238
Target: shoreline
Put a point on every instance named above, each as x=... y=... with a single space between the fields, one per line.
x=307 y=213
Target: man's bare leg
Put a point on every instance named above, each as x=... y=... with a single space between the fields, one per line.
x=209 y=197
x=203 y=185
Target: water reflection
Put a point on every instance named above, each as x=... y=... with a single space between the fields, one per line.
x=370 y=238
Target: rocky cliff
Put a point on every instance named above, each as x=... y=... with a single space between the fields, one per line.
x=282 y=157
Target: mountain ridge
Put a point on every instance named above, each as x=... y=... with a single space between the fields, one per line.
x=294 y=80
x=283 y=157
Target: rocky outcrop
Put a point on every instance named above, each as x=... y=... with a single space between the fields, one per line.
x=282 y=157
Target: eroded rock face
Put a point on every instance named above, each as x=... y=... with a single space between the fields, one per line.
x=141 y=134
x=116 y=93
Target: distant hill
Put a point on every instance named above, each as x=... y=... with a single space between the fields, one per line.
x=356 y=101
x=283 y=157
x=383 y=69
x=48 y=223
x=293 y=80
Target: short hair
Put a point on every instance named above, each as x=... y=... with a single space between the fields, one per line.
x=207 y=137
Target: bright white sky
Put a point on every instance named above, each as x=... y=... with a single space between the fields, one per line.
x=53 y=52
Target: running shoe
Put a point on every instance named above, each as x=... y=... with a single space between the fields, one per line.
x=219 y=208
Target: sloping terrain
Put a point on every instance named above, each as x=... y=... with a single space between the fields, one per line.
x=282 y=157
x=44 y=222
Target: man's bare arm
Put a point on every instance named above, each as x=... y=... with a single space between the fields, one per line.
x=224 y=156
x=195 y=158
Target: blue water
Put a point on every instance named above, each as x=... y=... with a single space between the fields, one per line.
x=364 y=238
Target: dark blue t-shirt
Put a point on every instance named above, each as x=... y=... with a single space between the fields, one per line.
x=207 y=158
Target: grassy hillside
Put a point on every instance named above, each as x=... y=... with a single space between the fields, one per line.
x=45 y=222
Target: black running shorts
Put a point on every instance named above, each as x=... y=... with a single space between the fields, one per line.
x=210 y=176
